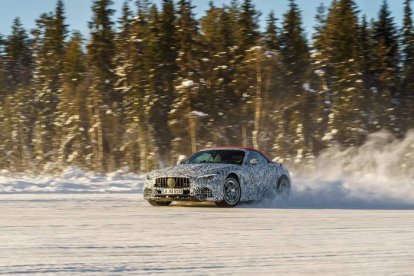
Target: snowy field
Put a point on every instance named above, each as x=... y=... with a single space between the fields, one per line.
x=117 y=234
x=351 y=214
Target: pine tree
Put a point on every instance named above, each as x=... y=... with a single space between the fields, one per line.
x=296 y=59
x=217 y=70
x=164 y=43
x=3 y=91
x=17 y=114
x=271 y=36
x=124 y=50
x=158 y=129
x=101 y=48
x=48 y=55
x=342 y=44
x=218 y=39
x=246 y=50
x=342 y=49
x=158 y=88
x=208 y=25
x=187 y=38
x=72 y=122
x=408 y=51
x=3 y=74
x=104 y=100
x=366 y=46
x=168 y=47
x=386 y=64
x=58 y=35
x=57 y=41
x=294 y=48
x=318 y=35
x=16 y=100
x=124 y=75
x=319 y=41
x=187 y=82
x=407 y=79
x=386 y=46
x=317 y=100
x=139 y=100
x=248 y=24
x=234 y=17
x=18 y=57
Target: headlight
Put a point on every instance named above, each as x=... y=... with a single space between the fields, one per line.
x=149 y=177
x=207 y=176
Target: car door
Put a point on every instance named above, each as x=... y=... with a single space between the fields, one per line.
x=255 y=178
x=272 y=174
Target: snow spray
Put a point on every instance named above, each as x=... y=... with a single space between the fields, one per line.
x=378 y=174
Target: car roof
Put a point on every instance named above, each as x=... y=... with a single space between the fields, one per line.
x=240 y=148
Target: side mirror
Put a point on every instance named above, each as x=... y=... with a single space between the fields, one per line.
x=253 y=161
x=181 y=159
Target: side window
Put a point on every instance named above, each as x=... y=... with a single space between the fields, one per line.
x=260 y=159
x=203 y=158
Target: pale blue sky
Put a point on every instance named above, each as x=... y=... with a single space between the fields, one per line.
x=79 y=13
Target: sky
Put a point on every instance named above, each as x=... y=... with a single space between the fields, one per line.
x=78 y=12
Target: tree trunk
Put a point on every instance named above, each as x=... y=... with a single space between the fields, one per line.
x=258 y=103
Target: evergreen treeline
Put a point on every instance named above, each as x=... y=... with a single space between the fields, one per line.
x=158 y=82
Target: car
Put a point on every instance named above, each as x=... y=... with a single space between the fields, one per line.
x=225 y=175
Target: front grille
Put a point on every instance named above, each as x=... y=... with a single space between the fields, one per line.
x=203 y=193
x=180 y=182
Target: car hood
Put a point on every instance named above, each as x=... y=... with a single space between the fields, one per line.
x=192 y=170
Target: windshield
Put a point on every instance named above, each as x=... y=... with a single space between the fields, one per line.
x=217 y=156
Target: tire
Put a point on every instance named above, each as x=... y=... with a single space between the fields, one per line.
x=283 y=188
x=232 y=193
x=159 y=203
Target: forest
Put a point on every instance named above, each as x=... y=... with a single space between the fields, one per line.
x=158 y=82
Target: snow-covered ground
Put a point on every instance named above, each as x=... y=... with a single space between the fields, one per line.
x=352 y=213
x=118 y=234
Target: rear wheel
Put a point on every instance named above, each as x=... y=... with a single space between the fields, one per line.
x=159 y=203
x=232 y=193
x=283 y=188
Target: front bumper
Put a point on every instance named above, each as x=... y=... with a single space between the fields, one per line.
x=197 y=191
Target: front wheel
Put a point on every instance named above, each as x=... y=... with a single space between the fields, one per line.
x=159 y=203
x=232 y=193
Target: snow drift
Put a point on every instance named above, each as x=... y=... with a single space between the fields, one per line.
x=378 y=174
x=71 y=180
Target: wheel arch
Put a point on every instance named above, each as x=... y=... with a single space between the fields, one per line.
x=287 y=177
x=241 y=184
x=233 y=174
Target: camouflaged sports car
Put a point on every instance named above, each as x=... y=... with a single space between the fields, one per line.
x=226 y=176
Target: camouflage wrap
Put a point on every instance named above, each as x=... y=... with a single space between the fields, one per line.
x=256 y=181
